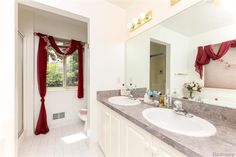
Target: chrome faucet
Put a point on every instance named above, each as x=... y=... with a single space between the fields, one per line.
x=178 y=108
x=131 y=91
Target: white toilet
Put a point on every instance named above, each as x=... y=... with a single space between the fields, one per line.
x=83 y=112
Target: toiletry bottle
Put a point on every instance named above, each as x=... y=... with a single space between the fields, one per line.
x=175 y=94
x=146 y=97
x=161 y=101
x=123 y=90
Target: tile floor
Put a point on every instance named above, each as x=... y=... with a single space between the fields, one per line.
x=66 y=141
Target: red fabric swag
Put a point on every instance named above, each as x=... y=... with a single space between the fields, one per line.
x=206 y=53
x=44 y=41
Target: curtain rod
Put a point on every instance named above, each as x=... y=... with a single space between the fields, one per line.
x=66 y=40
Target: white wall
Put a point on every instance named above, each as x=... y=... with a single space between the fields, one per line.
x=7 y=80
x=138 y=60
x=56 y=100
x=212 y=37
x=107 y=29
x=162 y=10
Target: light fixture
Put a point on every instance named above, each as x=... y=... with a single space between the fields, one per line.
x=173 y=2
x=216 y=2
x=141 y=20
x=142 y=16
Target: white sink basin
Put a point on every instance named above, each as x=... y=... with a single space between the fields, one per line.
x=124 y=101
x=167 y=119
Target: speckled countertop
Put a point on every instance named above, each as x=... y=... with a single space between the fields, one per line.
x=223 y=144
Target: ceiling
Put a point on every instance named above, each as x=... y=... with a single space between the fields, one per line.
x=124 y=4
x=203 y=17
x=42 y=13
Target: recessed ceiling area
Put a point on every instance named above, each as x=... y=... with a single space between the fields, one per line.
x=203 y=17
x=124 y=4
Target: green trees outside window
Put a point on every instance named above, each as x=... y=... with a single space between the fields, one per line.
x=72 y=69
x=62 y=71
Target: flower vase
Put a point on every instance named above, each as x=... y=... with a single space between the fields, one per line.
x=191 y=96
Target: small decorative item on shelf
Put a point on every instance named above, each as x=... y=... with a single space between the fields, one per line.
x=150 y=96
x=191 y=87
x=153 y=94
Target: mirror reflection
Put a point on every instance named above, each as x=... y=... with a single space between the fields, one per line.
x=167 y=57
x=157 y=66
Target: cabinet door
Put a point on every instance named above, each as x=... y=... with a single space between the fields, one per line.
x=107 y=133
x=115 y=150
x=104 y=129
x=137 y=143
x=101 y=128
x=161 y=149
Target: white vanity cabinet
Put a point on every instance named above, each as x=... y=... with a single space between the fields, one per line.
x=119 y=137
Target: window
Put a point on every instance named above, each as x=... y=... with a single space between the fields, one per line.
x=62 y=71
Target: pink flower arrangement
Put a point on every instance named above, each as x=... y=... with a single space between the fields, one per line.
x=193 y=86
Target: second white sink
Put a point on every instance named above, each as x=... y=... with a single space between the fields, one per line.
x=124 y=101
x=167 y=119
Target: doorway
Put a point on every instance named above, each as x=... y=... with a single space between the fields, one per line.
x=157 y=67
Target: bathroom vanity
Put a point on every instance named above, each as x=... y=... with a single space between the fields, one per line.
x=124 y=132
x=119 y=137
x=164 y=58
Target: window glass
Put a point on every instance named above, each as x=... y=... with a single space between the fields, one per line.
x=62 y=71
x=72 y=69
x=54 y=69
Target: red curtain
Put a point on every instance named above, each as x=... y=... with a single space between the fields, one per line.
x=80 y=92
x=206 y=53
x=42 y=126
x=44 y=42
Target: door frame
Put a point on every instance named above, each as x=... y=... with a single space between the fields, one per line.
x=168 y=65
x=20 y=133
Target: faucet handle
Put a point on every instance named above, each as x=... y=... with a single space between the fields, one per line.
x=178 y=105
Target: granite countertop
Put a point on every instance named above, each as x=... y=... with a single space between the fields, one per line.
x=222 y=144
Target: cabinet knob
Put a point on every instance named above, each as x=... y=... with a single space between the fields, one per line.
x=154 y=150
x=147 y=145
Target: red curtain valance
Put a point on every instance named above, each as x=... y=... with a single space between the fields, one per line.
x=206 y=53
x=44 y=42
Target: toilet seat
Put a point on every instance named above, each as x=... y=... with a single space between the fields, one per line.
x=83 y=114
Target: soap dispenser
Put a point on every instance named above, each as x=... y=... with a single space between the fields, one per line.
x=146 y=97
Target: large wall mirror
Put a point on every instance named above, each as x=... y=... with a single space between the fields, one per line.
x=163 y=57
